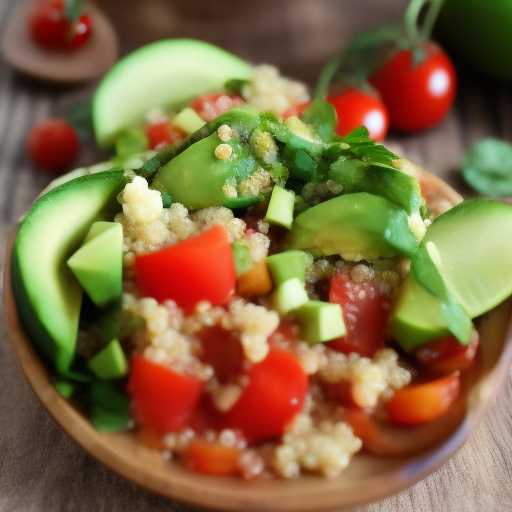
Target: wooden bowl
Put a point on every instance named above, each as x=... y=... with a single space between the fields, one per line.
x=367 y=478
x=96 y=57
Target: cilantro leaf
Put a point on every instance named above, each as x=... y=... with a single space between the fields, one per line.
x=321 y=115
x=487 y=167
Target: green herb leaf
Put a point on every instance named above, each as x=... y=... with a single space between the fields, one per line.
x=427 y=273
x=321 y=115
x=487 y=167
x=73 y=9
x=79 y=114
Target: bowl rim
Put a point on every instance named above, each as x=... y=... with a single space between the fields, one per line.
x=171 y=480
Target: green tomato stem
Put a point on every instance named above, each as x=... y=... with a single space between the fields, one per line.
x=415 y=33
x=73 y=9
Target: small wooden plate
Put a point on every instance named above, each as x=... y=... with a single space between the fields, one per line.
x=59 y=66
x=367 y=478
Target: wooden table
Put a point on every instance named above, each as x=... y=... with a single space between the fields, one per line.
x=41 y=469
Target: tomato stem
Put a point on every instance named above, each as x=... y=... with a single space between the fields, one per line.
x=73 y=9
x=417 y=34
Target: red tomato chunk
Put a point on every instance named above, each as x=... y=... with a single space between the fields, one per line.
x=199 y=268
x=162 y=398
x=275 y=394
x=211 y=106
x=211 y=458
x=161 y=134
x=365 y=312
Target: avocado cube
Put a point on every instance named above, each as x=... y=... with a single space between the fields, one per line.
x=320 y=321
x=241 y=258
x=98 y=264
x=188 y=121
x=280 y=207
x=110 y=362
x=287 y=265
x=289 y=296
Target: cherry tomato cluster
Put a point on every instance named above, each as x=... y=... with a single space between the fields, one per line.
x=48 y=27
x=407 y=96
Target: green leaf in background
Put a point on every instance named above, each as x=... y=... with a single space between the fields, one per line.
x=234 y=86
x=73 y=9
x=487 y=167
x=79 y=114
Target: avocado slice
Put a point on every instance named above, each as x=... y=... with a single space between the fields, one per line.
x=47 y=294
x=164 y=74
x=98 y=264
x=356 y=226
x=188 y=120
x=241 y=258
x=473 y=249
x=197 y=177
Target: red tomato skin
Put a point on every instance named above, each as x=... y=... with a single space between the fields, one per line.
x=417 y=96
x=446 y=355
x=48 y=27
x=275 y=394
x=212 y=105
x=355 y=108
x=420 y=403
x=52 y=144
x=159 y=134
x=365 y=319
x=296 y=110
x=196 y=269
x=162 y=399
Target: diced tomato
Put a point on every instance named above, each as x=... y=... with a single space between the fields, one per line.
x=223 y=351
x=151 y=438
x=162 y=398
x=199 y=268
x=210 y=106
x=420 y=403
x=446 y=355
x=211 y=458
x=275 y=394
x=256 y=281
x=296 y=110
x=365 y=312
x=160 y=134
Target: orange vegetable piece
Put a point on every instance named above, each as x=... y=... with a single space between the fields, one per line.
x=211 y=458
x=256 y=281
x=420 y=403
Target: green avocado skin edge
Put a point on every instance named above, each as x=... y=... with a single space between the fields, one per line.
x=48 y=297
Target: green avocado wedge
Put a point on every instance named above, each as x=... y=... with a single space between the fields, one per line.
x=356 y=226
x=48 y=296
x=164 y=74
x=472 y=248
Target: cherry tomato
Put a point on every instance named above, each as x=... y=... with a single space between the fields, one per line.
x=162 y=398
x=211 y=458
x=49 y=28
x=417 y=96
x=365 y=312
x=296 y=110
x=420 y=403
x=355 y=108
x=52 y=144
x=446 y=355
x=160 y=134
x=196 y=269
x=210 y=106
x=275 y=394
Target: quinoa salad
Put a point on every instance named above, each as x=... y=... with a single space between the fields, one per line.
x=252 y=299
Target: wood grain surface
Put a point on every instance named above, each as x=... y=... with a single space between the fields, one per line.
x=41 y=469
